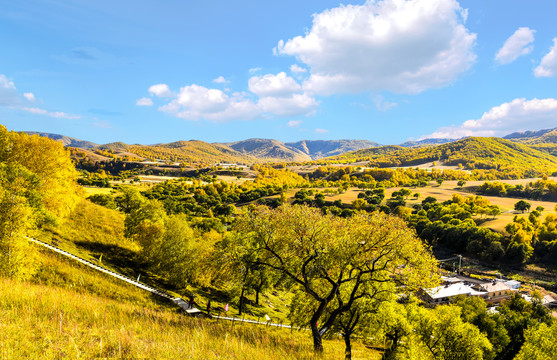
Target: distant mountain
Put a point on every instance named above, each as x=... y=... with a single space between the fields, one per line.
x=304 y=150
x=66 y=140
x=426 y=142
x=317 y=149
x=269 y=149
x=529 y=135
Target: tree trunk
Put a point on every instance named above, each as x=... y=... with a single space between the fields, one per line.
x=241 y=305
x=317 y=340
x=348 y=352
x=257 y=296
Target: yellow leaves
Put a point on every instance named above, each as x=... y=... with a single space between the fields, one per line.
x=51 y=163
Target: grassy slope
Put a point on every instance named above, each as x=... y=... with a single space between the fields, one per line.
x=72 y=312
x=69 y=310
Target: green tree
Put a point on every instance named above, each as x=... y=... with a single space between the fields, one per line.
x=540 y=343
x=324 y=255
x=522 y=205
x=446 y=336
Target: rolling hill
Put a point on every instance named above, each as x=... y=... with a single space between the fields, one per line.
x=542 y=140
x=471 y=153
x=193 y=151
x=66 y=140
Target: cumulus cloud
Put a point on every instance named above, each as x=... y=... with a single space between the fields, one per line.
x=517 y=115
x=321 y=131
x=269 y=94
x=54 y=114
x=195 y=102
x=144 y=101
x=29 y=96
x=518 y=44
x=281 y=95
x=273 y=85
x=295 y=68
x=395 y=45
x=548 y=66
x=294 y=123
x=221 y=80
x=160 y=90
x=295 y=104
x=8 y=92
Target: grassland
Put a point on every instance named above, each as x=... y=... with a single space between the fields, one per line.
x=79 y=319
x=71 y=311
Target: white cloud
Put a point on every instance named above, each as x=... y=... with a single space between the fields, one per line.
x=54 y=114
x=9 y=96
x=396 y=45
x=8 y=92
x=273 y=85
x=381 y=103
x=254 y=70
x=144 y=101
x=160 y=90
x=295 y=104
x=321 y=131
x=548 y=66
x=294 y=123
x=517 y=115
x=295 y=68
x=519 y=43
x=29 y=96
x=221 y=80
x=195 y=102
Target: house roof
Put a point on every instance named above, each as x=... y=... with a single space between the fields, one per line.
x=494 y=286
x=452 y=290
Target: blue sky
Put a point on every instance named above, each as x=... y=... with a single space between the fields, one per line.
x=386 y=70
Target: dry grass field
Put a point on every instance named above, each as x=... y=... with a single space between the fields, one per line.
x=446 y=191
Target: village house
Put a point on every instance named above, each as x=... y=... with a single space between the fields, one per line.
x=495 y=292
x=445 y=294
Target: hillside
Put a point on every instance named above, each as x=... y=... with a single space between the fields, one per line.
x=193 y=151
x=115 y=147
x=66 y=140
x=471 y=153
x=543 y=140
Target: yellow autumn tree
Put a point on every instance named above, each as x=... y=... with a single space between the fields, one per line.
x=51 y=163
x=37 y=184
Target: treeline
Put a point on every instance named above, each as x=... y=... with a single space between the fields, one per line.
x=533 y=190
